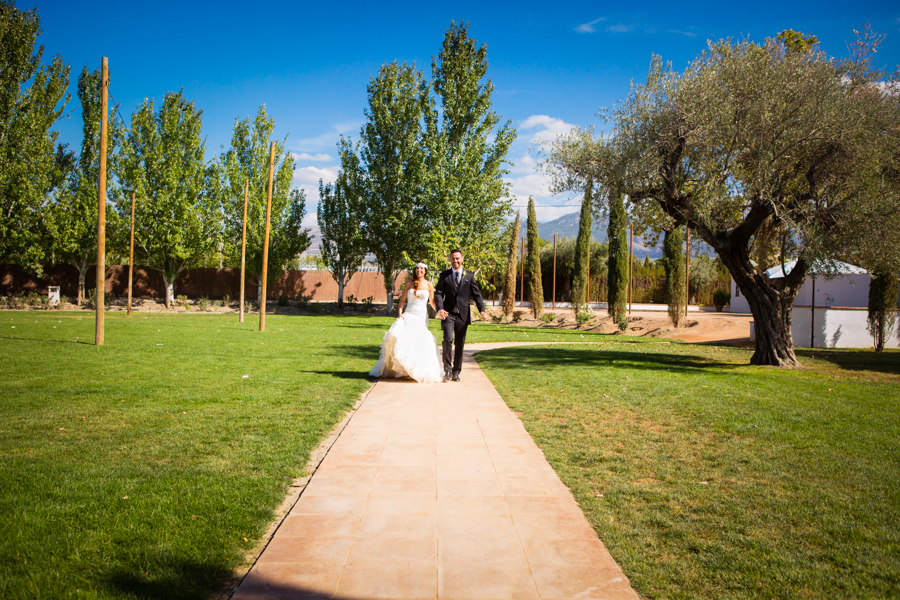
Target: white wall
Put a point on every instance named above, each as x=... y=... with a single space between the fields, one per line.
x=848 y=291
x=835 y=328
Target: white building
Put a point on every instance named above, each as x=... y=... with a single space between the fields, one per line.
x=827 y=313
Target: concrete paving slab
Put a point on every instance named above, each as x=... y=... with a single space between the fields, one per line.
x=435 y=491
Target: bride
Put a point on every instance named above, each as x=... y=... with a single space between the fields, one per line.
x=409 y=348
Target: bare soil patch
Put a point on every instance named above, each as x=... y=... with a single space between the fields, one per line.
x=697 y=327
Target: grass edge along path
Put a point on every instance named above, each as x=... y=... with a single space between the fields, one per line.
x=709 y=478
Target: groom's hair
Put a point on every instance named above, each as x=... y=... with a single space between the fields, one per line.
x=455 y=250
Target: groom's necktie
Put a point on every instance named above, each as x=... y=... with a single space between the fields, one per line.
x=457 y=277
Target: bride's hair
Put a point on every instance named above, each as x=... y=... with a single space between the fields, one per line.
x=413 y=278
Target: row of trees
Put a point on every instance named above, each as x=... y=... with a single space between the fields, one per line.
x=772 y=152
x=188 y=211
x=427 y=172
x=589 y=271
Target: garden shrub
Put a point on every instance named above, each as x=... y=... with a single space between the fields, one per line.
x=721 y=297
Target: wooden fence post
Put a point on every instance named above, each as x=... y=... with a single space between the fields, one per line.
x=101 y=208
x=131 y=256
x=244 y=249
x=262 y=300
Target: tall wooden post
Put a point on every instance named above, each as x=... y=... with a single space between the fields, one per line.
x=522 y=284
x=131 y=256
x=687 y=270
x=631 y=272
x=554 y=270
x=244 y=248
x=101 y=207
x=265 y=265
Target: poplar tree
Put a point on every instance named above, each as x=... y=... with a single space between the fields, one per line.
x=338 y=215
x=31 y=166
x=247 y=159
x=617 y=268
x=393 y=165
x=161 y=159
x=533 y=263
x=509 y=287
x=73 y=216
x=582 y=250
x=673 y=262
x=467 y=147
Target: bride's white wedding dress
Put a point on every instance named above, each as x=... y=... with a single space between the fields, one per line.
x=409 y=348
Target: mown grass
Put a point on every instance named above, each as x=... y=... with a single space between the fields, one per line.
x=709 y=478
x=146 y=468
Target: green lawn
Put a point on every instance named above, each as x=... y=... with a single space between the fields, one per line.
x=137 y=469
x=709 y=478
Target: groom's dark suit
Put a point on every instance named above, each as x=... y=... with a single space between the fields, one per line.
x=454 y=298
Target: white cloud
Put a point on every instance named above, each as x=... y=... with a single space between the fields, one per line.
x=533 y=184
x=524 y=164
x=548 y=127
x=620 y=28
x=589 y=27
x=309 y=176
x=307 y=179
x=328 y=139
x=316 y=157
x=690 y=34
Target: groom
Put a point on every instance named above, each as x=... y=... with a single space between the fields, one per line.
x=453 y=289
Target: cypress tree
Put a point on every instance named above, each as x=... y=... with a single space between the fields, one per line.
x=582 y=248
x=533 y=263
x=673 y=262
x=882 y=307
x=509 y=289
x=617 y=267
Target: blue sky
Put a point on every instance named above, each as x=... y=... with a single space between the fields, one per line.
x=553 y=65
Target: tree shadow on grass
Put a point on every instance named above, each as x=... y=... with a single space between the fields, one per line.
x=171 y=579
x=887 y=362
x=547 y=358
x=340 y=374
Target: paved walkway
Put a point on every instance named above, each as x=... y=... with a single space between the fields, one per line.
x=435 y=491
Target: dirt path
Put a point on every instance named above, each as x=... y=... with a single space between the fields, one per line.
x=697 y=327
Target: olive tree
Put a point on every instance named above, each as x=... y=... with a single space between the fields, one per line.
x=755 y=132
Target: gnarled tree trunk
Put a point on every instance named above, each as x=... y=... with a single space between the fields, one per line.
x=771 y=309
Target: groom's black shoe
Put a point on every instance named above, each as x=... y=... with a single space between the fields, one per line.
x=455 y=377
x=446 y=376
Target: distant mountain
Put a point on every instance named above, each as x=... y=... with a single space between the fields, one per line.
x=567 y=226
